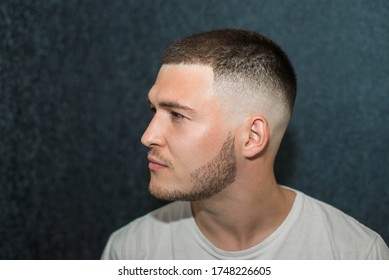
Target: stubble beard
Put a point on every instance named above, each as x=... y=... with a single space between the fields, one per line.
x=206 y=180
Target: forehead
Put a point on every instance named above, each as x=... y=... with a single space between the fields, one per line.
x=182 y=83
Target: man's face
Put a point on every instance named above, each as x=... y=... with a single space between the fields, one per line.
x=191 y=153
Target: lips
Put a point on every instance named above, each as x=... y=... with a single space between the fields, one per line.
x=155 y=164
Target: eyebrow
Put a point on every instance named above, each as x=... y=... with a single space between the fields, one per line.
x=172 y=105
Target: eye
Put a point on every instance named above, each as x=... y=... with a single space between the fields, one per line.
x=176 y=116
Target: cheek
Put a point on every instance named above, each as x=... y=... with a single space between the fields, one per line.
x=197 y=149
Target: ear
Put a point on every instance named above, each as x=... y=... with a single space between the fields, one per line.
x=258 y=135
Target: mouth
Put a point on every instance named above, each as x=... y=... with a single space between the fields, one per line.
x=155 y=164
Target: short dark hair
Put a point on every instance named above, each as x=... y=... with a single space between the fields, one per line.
x=238 y=52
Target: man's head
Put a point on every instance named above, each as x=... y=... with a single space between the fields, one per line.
x=214 y=87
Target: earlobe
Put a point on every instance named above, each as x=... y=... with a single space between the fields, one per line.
x=258 y=136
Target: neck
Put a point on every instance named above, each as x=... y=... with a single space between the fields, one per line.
x=244 y=214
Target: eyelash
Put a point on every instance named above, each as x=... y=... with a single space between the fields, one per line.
x=174 y=115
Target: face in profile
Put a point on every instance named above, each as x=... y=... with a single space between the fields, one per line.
x=191 y=154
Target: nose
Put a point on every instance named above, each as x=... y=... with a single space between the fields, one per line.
x=153 y=134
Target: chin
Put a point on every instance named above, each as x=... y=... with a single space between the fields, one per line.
x=164 y=193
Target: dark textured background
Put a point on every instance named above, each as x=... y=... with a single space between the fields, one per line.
x=73 y=80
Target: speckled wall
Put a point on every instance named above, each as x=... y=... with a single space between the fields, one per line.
x=73 y=80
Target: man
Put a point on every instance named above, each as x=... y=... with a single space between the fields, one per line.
x=222 y=102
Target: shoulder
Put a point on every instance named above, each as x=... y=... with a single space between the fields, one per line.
x=135 y=239
x=348 y=238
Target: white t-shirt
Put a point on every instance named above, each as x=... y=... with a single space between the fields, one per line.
x=312 y=230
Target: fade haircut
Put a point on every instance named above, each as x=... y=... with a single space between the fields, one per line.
x=238 y=55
